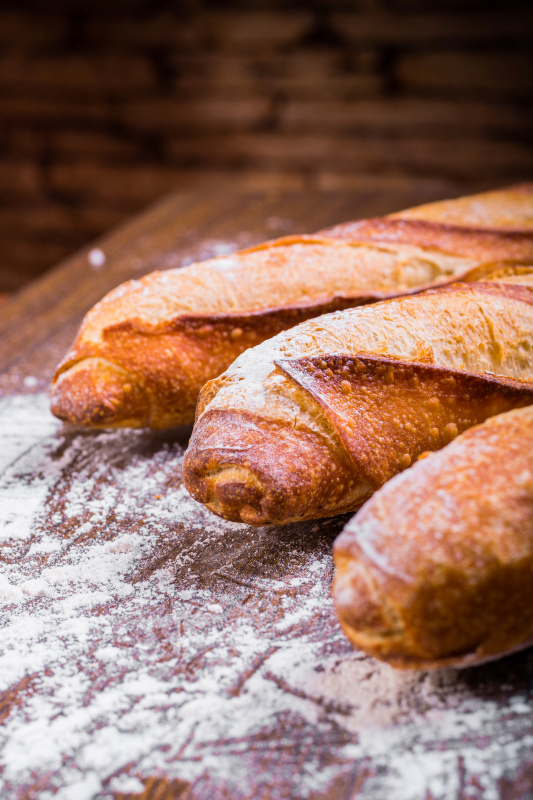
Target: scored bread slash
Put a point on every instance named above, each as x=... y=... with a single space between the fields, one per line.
x=389 y=412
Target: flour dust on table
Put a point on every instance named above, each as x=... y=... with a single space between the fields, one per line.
x=145 y=639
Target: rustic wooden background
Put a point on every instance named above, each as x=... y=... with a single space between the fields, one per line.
x=151 y=651
x=107 y=104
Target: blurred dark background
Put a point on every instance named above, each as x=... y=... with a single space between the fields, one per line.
x=107 y=104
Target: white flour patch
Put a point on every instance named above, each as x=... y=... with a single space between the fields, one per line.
x=126 y=659
x=21 y=433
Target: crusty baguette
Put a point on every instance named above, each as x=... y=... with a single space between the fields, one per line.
x=437 y=568
x=144 y=352
x=313 y=421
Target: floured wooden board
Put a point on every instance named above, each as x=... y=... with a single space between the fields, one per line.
x=152 y=650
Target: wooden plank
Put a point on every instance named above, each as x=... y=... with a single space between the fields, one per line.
x=151 y=650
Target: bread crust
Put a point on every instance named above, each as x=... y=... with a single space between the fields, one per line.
x=479 y=243
x=507 y=209
x=387 y=412
x=437 y=568
x=363 y=415
x=171 y=332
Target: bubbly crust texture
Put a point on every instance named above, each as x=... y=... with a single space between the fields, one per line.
x=168 y=333
x=437 y=568
x=318 y=417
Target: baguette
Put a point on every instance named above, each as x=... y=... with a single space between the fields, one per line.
x=143 y=353
x=312 y=422
x=437 y=568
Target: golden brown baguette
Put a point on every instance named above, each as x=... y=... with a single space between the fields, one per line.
x=437 y=568
x=313 y=421
x=144 y=352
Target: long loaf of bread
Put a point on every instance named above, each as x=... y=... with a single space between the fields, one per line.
x=437 y=568
x=313 y=421
x=143 y=353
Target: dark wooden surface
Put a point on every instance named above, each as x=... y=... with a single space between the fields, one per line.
x=151 y=650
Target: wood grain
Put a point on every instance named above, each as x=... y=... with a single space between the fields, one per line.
x=255 y=691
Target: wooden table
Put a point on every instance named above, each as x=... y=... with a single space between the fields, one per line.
x=151 y=650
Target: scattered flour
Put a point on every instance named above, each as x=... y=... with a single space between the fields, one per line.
x=126 y=660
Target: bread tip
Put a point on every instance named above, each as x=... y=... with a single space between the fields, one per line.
x=261 y=472
x=95 y=393
x=228 y=490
